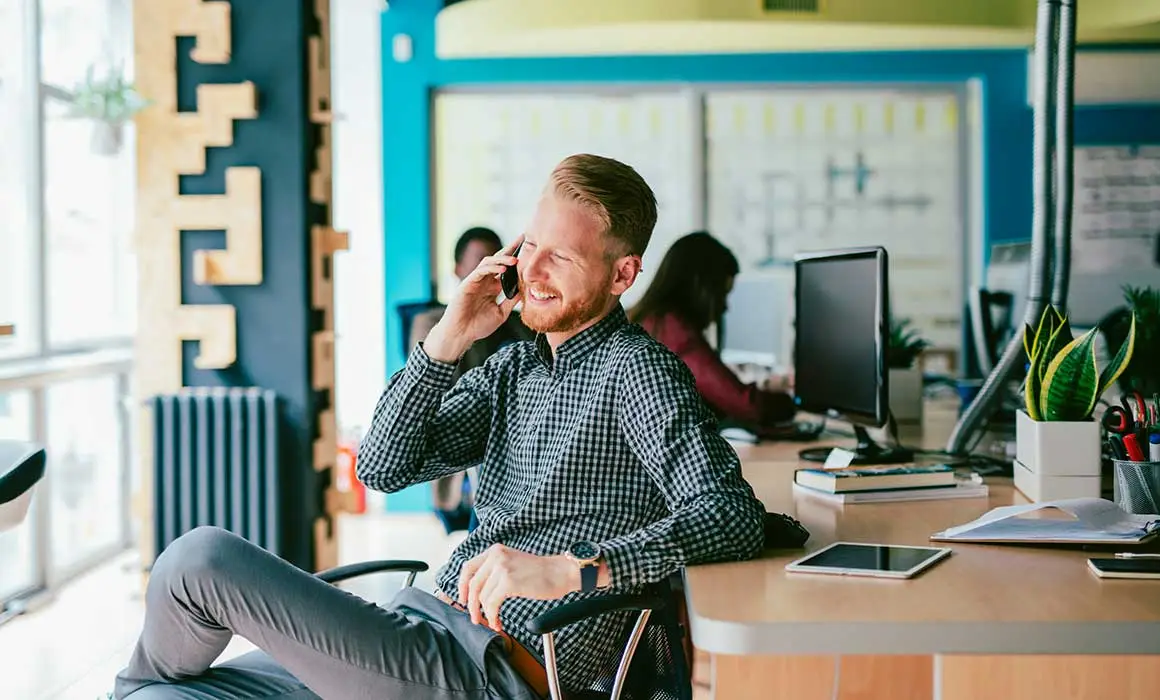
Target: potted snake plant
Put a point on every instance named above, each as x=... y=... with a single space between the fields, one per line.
x=1057 y=442
x=904 y=347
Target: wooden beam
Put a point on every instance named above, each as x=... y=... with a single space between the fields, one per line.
x=324 y=242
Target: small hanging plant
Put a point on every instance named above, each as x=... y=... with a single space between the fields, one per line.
x=110 y=101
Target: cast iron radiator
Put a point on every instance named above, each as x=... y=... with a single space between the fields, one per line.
x=215 y=462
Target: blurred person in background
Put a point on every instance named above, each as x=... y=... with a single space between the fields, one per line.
x=452 y=496
x=688 y=294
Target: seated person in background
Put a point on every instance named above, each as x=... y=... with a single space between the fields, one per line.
x=687 y=294
x=601 y=470
x=473 y=245
x=450 y=495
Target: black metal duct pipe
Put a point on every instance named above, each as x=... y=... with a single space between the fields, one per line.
x=1064 y=144
x=1044 y=212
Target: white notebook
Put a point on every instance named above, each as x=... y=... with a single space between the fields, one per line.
x=1085 y=521
x=963 y=489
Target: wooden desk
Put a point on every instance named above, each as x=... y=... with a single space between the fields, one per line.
x=1063 y=632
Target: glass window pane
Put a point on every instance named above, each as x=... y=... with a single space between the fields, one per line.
x=89 y=169
x=17 y=562
x=84 y=468
x=17 y=181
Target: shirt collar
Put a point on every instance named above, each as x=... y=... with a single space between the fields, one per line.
x=573 y=350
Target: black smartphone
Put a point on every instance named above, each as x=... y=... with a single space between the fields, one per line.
x=510 y=279
x=1141 y=567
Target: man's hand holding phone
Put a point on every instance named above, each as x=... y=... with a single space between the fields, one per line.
x=473 y=313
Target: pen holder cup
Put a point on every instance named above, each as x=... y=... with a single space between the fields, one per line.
x=1136 y=486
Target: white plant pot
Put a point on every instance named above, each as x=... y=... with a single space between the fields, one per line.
x=1056 y=459
x=106 y=138
x=906 y=394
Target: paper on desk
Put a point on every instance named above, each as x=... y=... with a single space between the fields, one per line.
x=1096 y=520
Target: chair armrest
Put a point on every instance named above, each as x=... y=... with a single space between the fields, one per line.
x=571 y=613
x=362 y=568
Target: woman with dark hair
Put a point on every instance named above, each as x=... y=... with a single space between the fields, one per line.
x=687 y=294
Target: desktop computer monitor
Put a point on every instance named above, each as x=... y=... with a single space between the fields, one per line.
x=841 y=329
x=755 y=328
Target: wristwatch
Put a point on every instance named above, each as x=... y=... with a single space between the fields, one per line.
x=587 y=557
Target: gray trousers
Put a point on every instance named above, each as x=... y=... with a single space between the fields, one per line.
x=319 y=641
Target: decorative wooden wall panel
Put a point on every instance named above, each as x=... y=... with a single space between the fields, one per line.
x=210 y=162
x=324 y=242
x=171 y=144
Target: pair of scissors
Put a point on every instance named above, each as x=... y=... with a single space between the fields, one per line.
x=1119 y=420
x=1123 y=426
x=1142 y=409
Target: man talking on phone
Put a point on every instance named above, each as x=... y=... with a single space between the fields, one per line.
x=600 y=470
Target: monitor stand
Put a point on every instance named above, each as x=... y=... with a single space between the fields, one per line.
x=867 y=452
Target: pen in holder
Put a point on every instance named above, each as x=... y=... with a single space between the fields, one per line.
x=1136 y=486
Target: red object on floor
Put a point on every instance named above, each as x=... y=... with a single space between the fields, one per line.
x=347 y=480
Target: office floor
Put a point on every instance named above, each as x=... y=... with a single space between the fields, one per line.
x=71 y=648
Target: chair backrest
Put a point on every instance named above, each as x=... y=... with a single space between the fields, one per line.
x=991 y=322
x=407 y=313
x=662 y=668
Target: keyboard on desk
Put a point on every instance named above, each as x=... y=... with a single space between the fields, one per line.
x=797 y=431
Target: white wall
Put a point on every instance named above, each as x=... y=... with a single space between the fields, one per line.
x=356 y=87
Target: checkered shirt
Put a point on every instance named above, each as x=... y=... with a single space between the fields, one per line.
x=608 y=442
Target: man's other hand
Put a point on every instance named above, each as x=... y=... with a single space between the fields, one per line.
x=489 y=579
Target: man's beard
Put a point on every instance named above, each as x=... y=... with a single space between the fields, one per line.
x=562 y=316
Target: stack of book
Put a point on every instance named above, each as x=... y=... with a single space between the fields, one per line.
x=879 y=484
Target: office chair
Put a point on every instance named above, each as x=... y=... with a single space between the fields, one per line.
x=991 y=315
x=661 y=626
x=21 y=467
x=665 y=674
x=407 y=313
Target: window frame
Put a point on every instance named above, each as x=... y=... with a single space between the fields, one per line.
x=45 y=365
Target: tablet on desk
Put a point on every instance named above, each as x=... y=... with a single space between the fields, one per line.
x=862 y=559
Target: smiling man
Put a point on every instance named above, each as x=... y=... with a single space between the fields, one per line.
x=600 y=469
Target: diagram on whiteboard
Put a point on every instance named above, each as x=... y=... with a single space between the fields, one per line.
x=795 y=170
x=494 y=153
x=1116 y=217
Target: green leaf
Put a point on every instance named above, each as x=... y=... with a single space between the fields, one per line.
x=1059 y=339
x=1071 y=382
x=1042 y=332
x=1028 y=341
x=1031 y=390
x=1121 y=360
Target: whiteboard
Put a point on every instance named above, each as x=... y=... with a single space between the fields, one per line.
x=1116 y=215
x=494 y=152
x=793 y=169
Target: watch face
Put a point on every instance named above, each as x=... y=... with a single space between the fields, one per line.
x=585 y=550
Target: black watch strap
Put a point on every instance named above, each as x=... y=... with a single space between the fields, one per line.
x=589 y=574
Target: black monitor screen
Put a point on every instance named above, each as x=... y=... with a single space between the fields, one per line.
x=840 y=334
